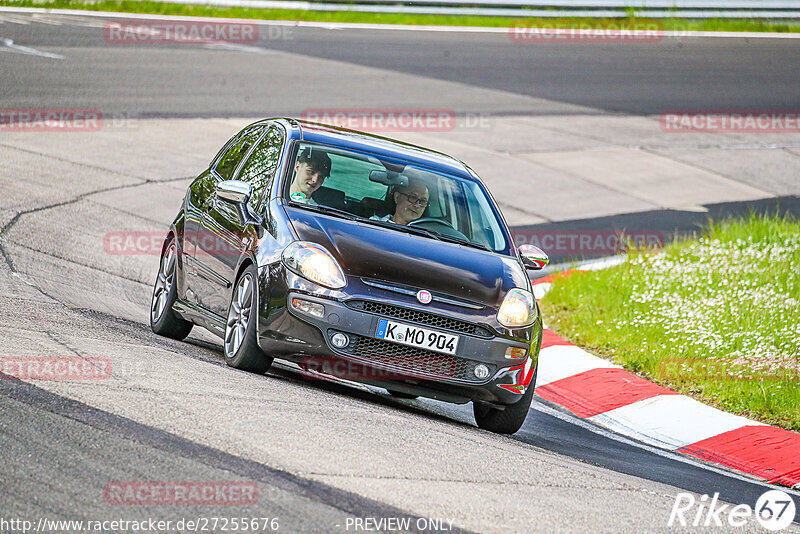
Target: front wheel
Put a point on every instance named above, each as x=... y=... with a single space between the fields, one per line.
x=241 y=345
x=505 y=421
x=163 y=319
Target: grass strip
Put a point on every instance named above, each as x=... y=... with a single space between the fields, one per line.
x=715 y=318
x=164 y=8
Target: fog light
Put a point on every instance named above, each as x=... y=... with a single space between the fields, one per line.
x=481 y=371
x=516 y=353
x=339 y=340
x=311 y=308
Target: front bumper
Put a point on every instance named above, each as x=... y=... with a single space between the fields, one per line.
x=289 y=333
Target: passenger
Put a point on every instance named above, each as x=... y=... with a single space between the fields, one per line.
x=410 y=201
x=310 y=171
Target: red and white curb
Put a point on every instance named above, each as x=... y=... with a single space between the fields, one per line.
x=603 y=393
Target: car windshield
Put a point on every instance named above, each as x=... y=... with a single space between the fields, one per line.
x=402 y=196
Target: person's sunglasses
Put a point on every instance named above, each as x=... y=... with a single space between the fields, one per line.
x=414 y=199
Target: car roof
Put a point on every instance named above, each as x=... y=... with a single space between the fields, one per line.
x=380 y=146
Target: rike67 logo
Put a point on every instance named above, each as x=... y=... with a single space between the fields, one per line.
x=775 y=510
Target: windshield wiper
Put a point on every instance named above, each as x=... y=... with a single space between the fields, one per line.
x=327 y=209
x=403 y=228
x=453 y=239
x=429 y=233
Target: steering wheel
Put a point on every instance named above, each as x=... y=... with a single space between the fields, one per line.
x=434 y=220
x=445 y=227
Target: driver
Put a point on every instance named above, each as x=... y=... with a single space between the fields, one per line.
x=310 y=171
x=411 y=202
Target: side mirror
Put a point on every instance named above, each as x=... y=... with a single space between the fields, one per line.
x=533 y=258
x=238 y=193
x=234 y=191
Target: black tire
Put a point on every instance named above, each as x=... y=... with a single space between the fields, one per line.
x=246 y=354
x=505 y=421
x=401 y=395
x=163 y=319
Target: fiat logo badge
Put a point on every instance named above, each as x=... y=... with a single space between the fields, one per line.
x=424 y=296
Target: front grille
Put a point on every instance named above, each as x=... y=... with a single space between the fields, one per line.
x=419 y=317
x=412 y=360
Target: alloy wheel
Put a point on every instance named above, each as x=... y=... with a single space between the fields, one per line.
x=239 y=315
x=166 y=277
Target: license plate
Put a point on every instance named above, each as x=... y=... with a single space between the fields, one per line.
x=414 y=336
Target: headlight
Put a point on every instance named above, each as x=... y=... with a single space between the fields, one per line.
x=518 y=309
x=313 y=262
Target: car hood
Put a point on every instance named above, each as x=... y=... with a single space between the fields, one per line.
x=370 y=251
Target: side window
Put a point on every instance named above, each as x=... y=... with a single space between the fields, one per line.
x=259 y=169
x=449 y=195
x=230 y=160
x=483 y=226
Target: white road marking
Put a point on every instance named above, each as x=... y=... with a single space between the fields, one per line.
x=43 y=18
x=15 y=20
x=238 y=48
x=541 y=289
x=670 y=421
x=8 y=43
x=360 y=26
x=84 y=22
x=562 y=361
x=602 y=263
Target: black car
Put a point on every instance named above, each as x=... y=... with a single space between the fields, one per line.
x=355 y=257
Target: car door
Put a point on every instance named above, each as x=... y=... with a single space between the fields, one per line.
x=214 y=225
x=225 y=232
x=199 y=196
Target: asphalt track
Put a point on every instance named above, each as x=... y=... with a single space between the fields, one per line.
x=320 y=451
x=638 y=78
